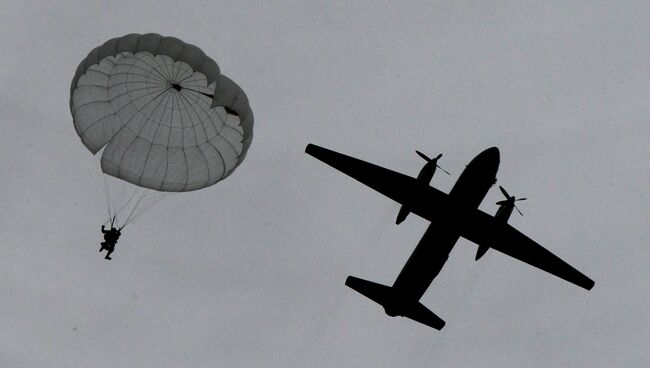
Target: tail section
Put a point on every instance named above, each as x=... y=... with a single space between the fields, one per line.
x=393 y=303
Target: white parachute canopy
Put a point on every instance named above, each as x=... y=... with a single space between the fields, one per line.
x=162 y=118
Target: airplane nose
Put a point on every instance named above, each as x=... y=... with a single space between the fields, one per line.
x=487 y=159
x=492 y=154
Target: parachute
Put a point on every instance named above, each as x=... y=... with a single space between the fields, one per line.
x=160 y=117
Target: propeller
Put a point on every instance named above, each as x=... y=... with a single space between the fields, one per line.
x=435 y=160
x=510 y=200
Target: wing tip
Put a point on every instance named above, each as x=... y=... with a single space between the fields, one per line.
x=309 y=149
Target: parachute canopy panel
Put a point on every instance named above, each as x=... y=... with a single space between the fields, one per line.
x=166 y=117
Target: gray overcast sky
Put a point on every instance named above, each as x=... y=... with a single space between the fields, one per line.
x=251 y=271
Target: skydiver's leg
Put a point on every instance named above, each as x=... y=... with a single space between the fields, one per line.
x=109 y=250
x=103 y=244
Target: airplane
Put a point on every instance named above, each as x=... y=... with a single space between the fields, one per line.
x=451 y=215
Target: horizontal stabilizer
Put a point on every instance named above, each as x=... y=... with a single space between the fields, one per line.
x=380 y=294
x=422 y=314
x=393 y=304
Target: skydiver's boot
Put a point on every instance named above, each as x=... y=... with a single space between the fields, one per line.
x=108 y=253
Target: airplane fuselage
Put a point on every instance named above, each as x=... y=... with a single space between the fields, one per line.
x=434 y=247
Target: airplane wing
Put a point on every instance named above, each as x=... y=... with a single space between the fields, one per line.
x=423 y=200
x=485 y=230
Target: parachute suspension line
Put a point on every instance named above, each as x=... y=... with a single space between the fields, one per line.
x=107 y=192
x=125 y=201
x=126 y=204
x=137 y=202
x=152 y=198
x=152 y=202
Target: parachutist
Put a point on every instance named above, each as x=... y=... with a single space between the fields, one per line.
x=177 y=87
x=110 y=237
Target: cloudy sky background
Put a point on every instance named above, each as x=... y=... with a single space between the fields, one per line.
x=251 y=272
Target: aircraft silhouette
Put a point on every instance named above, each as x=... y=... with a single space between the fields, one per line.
x=451 y=215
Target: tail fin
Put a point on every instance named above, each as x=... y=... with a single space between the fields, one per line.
x=393 y=304
x=401 y=216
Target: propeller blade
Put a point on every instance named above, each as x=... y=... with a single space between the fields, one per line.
x=502 y=202
x=438 y=157
x=423 y=155
x=521 y=199
x=518 y=211
x=446 y=172
x=504 y=192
